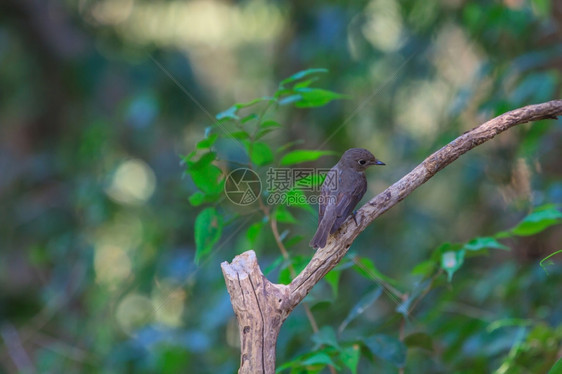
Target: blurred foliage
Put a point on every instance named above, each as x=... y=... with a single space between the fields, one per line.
x=100 y=100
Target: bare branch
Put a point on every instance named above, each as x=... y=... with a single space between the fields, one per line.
x=328 y=257
x=261 y=306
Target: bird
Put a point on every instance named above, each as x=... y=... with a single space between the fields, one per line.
x=343 y=188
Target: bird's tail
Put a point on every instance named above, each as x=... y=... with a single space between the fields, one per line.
x=321 y=236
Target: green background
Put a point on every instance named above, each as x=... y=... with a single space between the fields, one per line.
x=99 y=101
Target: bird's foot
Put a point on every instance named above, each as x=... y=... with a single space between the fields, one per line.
x=354 y=218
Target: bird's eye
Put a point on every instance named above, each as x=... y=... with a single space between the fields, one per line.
x=362 y=162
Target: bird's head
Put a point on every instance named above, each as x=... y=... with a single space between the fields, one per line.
x=359 y=159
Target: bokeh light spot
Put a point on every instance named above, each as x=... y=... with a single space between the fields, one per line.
x=112 y=12
x=112 y=265
x=134 y=312
x=168 y=301
x=383 y=28
x=133 y=183
x=124 y=231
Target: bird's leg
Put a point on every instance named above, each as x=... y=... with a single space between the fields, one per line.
x=354 y=219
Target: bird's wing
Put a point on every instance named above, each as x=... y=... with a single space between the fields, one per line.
x=347 y=200
x=322 y=204
x=327 y=209
x=329 y=188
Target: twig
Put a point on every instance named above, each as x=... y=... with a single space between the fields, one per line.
x=285 y=253
x=15 y=349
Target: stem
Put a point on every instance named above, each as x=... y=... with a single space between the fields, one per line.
x=426 y=291
x=394 y=293
x=260 y=118
x=285 y=254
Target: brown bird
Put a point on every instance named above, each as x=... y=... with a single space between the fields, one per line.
x=343 y=188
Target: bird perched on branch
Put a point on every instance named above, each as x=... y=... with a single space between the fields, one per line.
x=344 y=186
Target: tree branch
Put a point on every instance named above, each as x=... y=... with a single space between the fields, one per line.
x=261 y=306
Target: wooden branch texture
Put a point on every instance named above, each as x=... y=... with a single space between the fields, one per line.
x=261 y=306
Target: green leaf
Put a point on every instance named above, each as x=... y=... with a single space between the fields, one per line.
x=208 y=179
x=240 y=135
x=296 y=198
x=477 y=244
x=557 y=368
x=294 y=240
x=326 y=336
x=288 y=145
x=419 y=340
x=261 y=133
x=286 y=365
x=186 y=159
x=301 y=74
x=333 y=279
x=207 y=142
x=230 y=113
x=249 y=117
x=204 y=160
x=305 y=83
x=309 y=363
x=539 y=220
x=253 y=102
x=285 y=276
x=542 y=7
x=299 y=262
x=260 y=153
x=369 y=271
x=298 y=365
x=350 y=357
x=278 y=261
x=197 y=198
x=253 y=232
x=387 y=348
x=290 y=99
x=503 y=235
x=451 y=261
x=319 y=358
x=424 y=268
x=520 y=322
x=282 y=92
x=208 y=229
x=283 y=215
x=365 y=302
x=310 y=182
x=206 y=176
x=445 y=247
x=314 y=97
x=269 y=123
x=301 y=155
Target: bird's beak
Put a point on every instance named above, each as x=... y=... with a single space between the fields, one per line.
x=379 y=163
